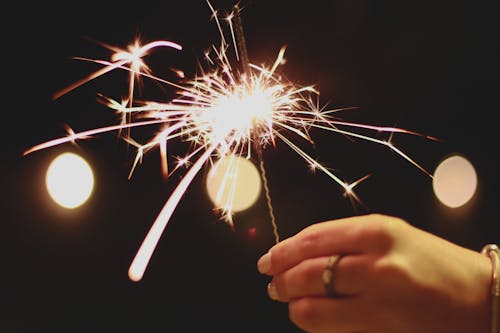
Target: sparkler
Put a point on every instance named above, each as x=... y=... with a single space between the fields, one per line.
x=224 y=113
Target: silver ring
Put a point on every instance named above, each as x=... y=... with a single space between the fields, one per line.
x=328 y=276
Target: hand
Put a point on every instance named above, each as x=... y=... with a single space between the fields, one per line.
x=391 y=278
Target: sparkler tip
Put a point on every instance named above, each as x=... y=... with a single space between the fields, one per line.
x=134 y=276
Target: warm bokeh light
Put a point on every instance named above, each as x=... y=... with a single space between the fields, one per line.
x=69 y=180
x=234 y=182
x=455 y=181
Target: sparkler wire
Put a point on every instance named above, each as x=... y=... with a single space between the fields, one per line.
x=245 y=62
x=268 y=196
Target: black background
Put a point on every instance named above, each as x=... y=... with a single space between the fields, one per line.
x=429 y=67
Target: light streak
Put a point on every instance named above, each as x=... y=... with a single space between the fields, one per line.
x=225 y=111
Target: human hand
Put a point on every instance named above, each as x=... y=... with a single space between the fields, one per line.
x=391 y=278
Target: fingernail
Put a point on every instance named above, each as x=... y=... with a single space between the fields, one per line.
x=264 y=263
x=272 y=292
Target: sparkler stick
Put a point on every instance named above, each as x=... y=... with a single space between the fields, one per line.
x=245 y=62
x=246 y=67
x=240 y=38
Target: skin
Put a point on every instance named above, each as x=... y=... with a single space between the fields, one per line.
x=392 y=278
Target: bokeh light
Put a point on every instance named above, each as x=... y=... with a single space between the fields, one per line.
x=237 y=177
x=455 y=181
x=69 y=180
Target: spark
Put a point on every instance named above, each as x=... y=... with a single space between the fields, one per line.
x=222 y=112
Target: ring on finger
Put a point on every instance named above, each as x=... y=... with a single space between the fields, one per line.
x=328 y=275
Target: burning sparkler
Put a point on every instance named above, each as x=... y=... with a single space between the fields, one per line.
x=226 y=112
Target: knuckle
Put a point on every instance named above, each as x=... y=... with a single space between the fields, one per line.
x=388 y=268
x=303 y=313
x=280 y=284
x=382 y=231
x=308 y=241
x=307 y=274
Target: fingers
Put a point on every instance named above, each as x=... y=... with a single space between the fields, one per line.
x=305 y=279
x=360 y=234
x=323 y=272
x=322 y=314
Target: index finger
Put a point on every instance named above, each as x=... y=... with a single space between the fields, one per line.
x=358 y=234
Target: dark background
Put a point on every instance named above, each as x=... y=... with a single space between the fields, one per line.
x=425 y=66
